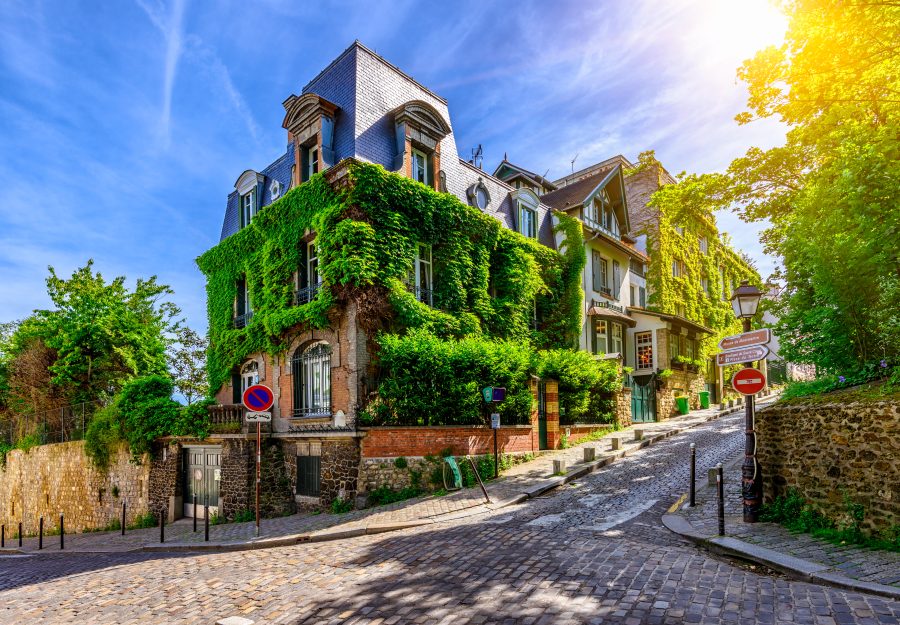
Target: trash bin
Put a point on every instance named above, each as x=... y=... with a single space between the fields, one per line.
x=704 y=399
x=682 y=403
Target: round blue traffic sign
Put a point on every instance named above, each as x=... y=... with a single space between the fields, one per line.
x=258 y=398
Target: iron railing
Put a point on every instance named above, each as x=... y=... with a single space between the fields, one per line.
x=595 y=225
x=58 y=425
x=423 y=295
x=241 y=321
x=306 y=294
x=604 y=304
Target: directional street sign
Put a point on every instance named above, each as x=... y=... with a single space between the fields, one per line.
x=258 y=398
x=748 y=381
x=747 y=339
x=258 y=417
x=739 y=356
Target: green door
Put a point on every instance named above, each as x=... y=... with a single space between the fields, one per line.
x=643 y=398
x=542 y=416
x=202 y=476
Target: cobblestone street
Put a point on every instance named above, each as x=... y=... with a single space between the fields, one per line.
x=593 y=551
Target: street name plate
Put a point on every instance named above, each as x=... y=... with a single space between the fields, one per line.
x=747 y=339
x=740 y=356
x=258 y=417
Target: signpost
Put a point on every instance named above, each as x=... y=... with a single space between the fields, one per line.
x=748 y=381
x=257 y=400
x=494 y=394
x=746 y=339
x=742 y=355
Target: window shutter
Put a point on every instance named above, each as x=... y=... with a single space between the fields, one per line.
x=617 y=278
x=304 y=163
x=235 y=387
x=303 y=270
x=593 y=346
x=515 y=215
x=595 y=270
x=643 y=296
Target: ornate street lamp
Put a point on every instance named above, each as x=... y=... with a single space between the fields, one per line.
x=745 y=302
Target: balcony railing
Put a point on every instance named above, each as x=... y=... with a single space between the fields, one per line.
x=595 y=225
x=423 y=295
x=306 y=295
x=636 y=268
x=226 y=418
x=605 y=304
x=242 y=320
x=312 y=413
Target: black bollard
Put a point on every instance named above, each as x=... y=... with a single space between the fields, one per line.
x=195 y=512
x=162 y=526
x=41 y=533
x=62 y=533
x=2 y=536
x=693 y=475
x=123 y=517
x=206 y=523
x=20 y=533
x=721 y=488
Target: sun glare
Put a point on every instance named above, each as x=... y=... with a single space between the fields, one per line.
x=736 y=29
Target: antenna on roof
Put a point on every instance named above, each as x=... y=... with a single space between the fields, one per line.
x=477 y=156
x=573 y=162
x=545 y=173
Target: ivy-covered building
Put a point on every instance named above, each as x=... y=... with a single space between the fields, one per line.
x=368 y=222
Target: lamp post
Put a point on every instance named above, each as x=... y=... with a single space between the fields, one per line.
x=745 y=302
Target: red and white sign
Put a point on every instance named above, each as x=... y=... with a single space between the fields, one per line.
x=748 y=381
x=258 y=398
x=747 y=339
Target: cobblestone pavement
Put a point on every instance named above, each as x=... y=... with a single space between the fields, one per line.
x=591 y=552
x=871 y=566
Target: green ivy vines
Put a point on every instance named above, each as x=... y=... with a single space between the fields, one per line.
x=488 y=280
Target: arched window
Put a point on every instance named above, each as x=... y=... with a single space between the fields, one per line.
x=311 y=368
x=249 y=375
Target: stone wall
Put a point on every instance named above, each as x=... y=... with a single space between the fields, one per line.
x=339 y=470
x=577 y=433
x=622 y=410
x=53 y=479
x=238 y=468
x=825 y=450
x=165 y=490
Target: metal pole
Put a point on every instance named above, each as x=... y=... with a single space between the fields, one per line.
x=751 y=474
x=258 y=461
x=2 y=536
x=206 y=521
x=162 y=525
x=20 y=533
x=720 y=488
x=693 y=475
x=62 y=533
x=41 y=533
x=123 y=517
x=478 y=477
x=195 y=512
x=496 y=456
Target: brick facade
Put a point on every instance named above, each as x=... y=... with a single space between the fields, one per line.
x=393 y=442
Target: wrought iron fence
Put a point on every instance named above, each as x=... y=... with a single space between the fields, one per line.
x=59 y=425
x=242 y=320
x=306 y=295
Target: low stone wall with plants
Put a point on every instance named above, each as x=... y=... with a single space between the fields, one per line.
x=836 y=455
x=50 y=480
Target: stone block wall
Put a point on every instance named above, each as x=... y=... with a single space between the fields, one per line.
x=53 y=479
x=827 y=449
x=165 y=485
x=238 y=467
x=622 y=411
x=339 y=470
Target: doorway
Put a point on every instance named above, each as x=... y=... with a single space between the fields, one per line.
x=202 y=477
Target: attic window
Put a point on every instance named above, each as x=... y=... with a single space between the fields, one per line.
x=478 y=195
x=275 y=189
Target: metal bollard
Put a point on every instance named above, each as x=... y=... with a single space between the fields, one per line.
x=41 y=534
x=62 y=533
x=123 y=517
x=20 y=533
x=721 y=490
x=206 y=522
x=162 y=525
x=2 y=536
x=693 y=475
x=195 y=512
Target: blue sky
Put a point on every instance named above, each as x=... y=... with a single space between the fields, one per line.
x=124 y=125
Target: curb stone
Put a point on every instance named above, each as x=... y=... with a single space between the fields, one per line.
x=790 y=565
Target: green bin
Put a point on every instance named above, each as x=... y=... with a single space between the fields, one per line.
x=682 y=403
x=704 y=399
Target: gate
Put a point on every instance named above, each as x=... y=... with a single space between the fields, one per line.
x=542 y=416
x=202 y=477
x=643 y=398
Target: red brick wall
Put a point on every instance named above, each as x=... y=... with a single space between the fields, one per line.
x=580 y=432
x=392 y=442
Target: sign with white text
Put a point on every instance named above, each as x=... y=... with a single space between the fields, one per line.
x=746 y=339
x=740 y=356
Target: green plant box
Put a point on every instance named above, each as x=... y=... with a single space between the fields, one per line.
x=704 y=399
x=683 y=406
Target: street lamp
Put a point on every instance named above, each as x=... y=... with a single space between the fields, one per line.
x=745 y=302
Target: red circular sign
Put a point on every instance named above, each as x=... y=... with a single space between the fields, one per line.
x=748 y=381
x=258 y=398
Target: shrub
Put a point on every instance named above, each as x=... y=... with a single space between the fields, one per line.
x=585 y=384
x=244 y=516
x=400 y=462
x=341 y=506
x=384 y=495
x=142 y=521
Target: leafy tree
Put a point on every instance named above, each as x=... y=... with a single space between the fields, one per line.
x=187 y=363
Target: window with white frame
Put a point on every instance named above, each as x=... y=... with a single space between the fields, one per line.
x=677 y=269
x=311 y=370
x=616 y=279
x=600 y=272
x=248 y=208
x=704 y=284
x=643 y=342
x=642 y=301
x=249 y=375
x=312 y=266
x=310 y=161
x=527 y=221
x=420 y=277
x=704 y=245
x=421 y=166
x=616 y=344
x=600 y=336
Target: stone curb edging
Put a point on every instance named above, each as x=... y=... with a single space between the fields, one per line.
x=790 y=565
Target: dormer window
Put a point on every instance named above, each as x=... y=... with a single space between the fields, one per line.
x=249 y=187
x=248 y=208
x=478 y=195
x=418 y=131
x=310 y=161
x=309 y=120
x=527 y=221
x=421 y=168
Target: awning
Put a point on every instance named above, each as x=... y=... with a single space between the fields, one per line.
x=612 y=315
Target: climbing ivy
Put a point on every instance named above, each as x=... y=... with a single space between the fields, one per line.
x=488 y=280
x=681 y=217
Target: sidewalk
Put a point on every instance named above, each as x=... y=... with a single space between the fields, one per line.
x=517 y=484
x=801 y=555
